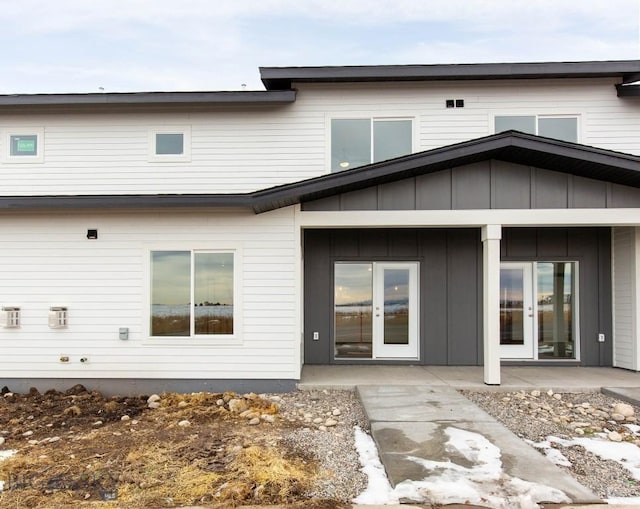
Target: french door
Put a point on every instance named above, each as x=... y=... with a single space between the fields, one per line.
x=376 y=310
x=538 y=310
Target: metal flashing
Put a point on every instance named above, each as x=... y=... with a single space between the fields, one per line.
x=632 y=90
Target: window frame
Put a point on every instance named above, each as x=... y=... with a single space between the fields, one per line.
x=390 y=117
x=38 y=132
x=192 y=338
x=184 y=130
x=537 y=117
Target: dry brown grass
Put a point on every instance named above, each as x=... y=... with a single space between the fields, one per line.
x=218 y=460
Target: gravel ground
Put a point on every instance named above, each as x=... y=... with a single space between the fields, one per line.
x=536 y=415
x=328 y=419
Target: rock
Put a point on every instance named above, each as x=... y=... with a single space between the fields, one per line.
x=153 y=398
x=154 y=404
x=317 y=420
x=33 y=442
x=254 y=421
x=184 y=423
x=2 y=440
x=578 y=431
x=125 y=418
x=336 y=412
x=182 y=404
x=9 y=395
x=617 y=417
x=27 y=433
x=614 y=436
x=268 y=418
x=549 y=392
x=238 y=405
x=557 y=396
x=220 y=402
x=53 y=439
x=322 y=428
x=623 y=409
x=97 y=423
x=535 y=393
x=330 y=422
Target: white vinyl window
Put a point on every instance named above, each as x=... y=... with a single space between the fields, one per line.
x=170 y=144
x=24 y=145
x=361 y=141
x=193 y=293
x=557 y=127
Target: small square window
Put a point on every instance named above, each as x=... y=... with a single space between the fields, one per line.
x=170 y=144
x=23 y=146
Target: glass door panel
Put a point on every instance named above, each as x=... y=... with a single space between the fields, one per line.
x=353 y=304
x=516 y=311
x=396 y=310
x=555 y=300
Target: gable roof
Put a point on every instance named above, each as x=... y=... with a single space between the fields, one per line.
x=281 y=78
x=509 y=146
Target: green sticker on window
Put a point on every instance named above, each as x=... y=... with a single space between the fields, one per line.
x=26 y=146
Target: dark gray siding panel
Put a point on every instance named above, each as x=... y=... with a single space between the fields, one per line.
x=550 y=189
x=588 y=193
x=488 y=184
x=365 y=199
x=552 y=242
x=471 y=185
x=318 y=288
x=433 y=191
x=462 y=303
x=510 y=186
x=400 y=195
x=624 y=196
x=434 y=305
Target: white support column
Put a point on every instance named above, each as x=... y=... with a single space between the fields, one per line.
x=491 y=235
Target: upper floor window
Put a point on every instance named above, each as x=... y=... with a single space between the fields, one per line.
x=24 y=145
x=557 y=127
x=192 y=293
x=360 y=141
x=170 y=144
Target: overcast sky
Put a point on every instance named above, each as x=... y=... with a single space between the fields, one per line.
x=147 y=45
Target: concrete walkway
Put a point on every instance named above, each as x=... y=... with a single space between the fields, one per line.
x=411 y=407
x=414 y=423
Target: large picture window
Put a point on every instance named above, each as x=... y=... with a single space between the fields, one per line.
x=556 y=127
x=360 y=141
x=192 y=293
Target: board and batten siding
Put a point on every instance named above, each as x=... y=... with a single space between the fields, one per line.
x=246 y=148
x=626 y=252
x=46 y=260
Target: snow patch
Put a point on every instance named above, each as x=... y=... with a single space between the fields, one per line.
x=3 y=456
x=554 y=455
x=378 y=490
x=485 y=483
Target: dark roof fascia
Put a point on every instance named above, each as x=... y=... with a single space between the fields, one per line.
x=149 y=98
x=141 y=201
x=510 y=146
x=281 y=78
x=628 y=90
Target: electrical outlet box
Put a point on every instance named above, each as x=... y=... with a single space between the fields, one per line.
x=600 y=338
x=58 y=317
x=10 y=317
x=316 y=336
x=123 y=333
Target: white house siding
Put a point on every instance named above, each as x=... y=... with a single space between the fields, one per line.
x=46 y=259
x=625 y=298
x=245 y=148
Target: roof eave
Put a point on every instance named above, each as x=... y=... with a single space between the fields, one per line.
x=281 y=78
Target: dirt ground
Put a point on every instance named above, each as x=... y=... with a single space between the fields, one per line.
x=80 y=449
